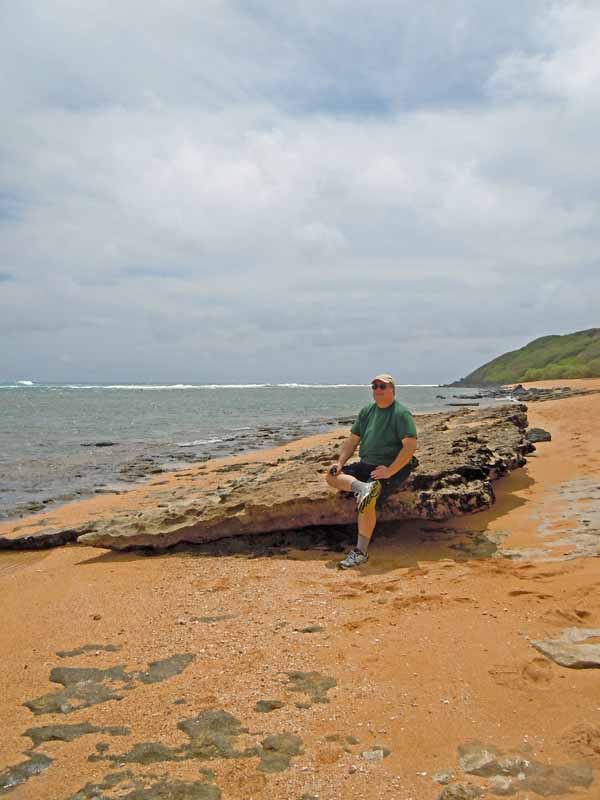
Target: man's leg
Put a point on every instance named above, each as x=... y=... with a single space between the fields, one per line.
x=341 y=482
x=366 y=525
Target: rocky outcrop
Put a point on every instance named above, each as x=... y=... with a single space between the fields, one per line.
x=460 y=455
x=538 y=435
x=573 y=648
x=537 y=394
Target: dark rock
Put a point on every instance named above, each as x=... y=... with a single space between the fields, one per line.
x=167 y=668
x=266 y=706
x=19 y=774
x=460 y=791
x=147 y=788
x=277 y=750
x=145 y=753
x=42 y=541
x=84 y=687
x=310 y=629
x=313 y=684
x=213 y=733
x=538 y=435
x=68 y=733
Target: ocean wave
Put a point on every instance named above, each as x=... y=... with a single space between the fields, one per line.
x=197 y=442
x=319 y=385
x=176 y=386
x=137 y=386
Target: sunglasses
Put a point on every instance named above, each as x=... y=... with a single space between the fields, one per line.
x=376 y=385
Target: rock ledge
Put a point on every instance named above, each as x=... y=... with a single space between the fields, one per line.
x=460 y=455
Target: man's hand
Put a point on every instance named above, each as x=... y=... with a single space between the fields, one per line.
x=335 y=469
x=381 y=472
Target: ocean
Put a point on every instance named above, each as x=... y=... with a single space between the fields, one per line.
x=62 y=442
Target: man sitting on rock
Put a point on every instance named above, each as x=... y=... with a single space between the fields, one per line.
x=387 y=436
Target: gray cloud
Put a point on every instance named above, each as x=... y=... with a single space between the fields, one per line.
x=248 y=192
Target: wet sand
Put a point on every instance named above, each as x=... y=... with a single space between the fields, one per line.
x=427 y=648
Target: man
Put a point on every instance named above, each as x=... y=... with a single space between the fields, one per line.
x=387 y=435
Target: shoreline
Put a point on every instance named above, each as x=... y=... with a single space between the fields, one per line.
x=70 y=514
x=107 y=461
x=431 y=640
x=178 y=488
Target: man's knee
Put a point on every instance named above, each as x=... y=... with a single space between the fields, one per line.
x=330 y=480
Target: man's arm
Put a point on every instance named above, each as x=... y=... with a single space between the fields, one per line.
x=409 y=446
x=347 y=449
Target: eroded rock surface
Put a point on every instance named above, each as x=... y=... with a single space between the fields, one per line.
x=459 y=454
x=510 y=773
x=573 y=648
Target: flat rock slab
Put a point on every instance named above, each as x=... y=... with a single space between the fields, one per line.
x=572 y=648
x=460 y=455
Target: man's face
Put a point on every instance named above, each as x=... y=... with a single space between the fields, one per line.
x=383 y=393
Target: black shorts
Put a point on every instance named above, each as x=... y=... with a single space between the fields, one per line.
x=362 y=472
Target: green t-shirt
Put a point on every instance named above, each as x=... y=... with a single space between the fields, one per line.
x=381 y=431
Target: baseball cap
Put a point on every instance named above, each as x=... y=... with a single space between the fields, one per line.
x=385 y=379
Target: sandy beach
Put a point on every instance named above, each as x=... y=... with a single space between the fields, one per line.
x=378 y=680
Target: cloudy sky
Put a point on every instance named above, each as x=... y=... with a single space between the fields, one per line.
x=234 y=191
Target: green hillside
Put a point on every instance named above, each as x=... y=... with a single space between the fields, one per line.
x=574 y=355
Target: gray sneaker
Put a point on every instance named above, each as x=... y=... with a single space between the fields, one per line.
x=354 y=559
x=367 y=496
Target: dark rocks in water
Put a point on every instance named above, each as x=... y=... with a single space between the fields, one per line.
x=459 y=456
x=12 y=777
x=314 y=684
x=538 y=435
x=98 y=444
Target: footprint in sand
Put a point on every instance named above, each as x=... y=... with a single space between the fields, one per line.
x=583 y=742
x=528 y=593
x=536 y=673
x=573 y=616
